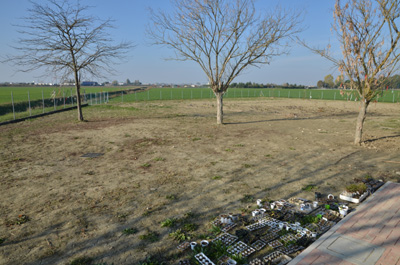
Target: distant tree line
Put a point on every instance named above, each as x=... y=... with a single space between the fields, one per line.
x=256 y=85
x=392 y=82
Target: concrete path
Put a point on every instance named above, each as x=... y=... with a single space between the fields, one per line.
x=368 y=235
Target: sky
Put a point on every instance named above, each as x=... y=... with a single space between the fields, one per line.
x=146 y=62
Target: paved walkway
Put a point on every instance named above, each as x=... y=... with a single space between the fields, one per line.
x=368 y=235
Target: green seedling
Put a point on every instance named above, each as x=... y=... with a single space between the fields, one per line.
x=171 y=197
x=190 y=227
x=150 y=236
x=130 y=231
x=168 y=222
x=82 y=261
x=179 y=235
x=309 y=187
x=247 y=198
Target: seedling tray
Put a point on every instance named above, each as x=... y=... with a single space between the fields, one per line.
x=203 y=259
x=269 y=237
x=259 y=244
x=226 y=239
x=275 y=244
x=241 y=248
x=257 y=261
x=354 y=200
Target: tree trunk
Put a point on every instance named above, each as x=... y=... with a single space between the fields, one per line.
x=360 y=121
x=220 y=112
x=78 y=97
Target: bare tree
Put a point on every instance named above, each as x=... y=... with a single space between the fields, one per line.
x=62 y=38
x=368 y=32
x=224 y=37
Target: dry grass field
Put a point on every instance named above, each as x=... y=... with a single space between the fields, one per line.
x=169 y=159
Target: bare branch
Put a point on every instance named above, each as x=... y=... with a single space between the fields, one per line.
x=223 y=37
x=65 y=40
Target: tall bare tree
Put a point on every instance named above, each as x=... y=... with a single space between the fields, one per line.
x=65 y=40
x=224 y=37
x=368 y=32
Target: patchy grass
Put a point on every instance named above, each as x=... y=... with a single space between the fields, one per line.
x=21 y=219
x=309 y=187
x=145 y=165
x=179 y=235
x=82 y=261
x=168 y=222
x=171 y=197
x=190 y=227
x=247 y=198
x=129 y=231
x=150 y=236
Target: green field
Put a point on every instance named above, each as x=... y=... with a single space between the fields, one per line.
x=22 y=108
x=204 y=93
x=20 y=94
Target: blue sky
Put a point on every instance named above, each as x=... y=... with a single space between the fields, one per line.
x=147 y=63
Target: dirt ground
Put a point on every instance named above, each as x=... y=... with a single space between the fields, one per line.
x=169 y=159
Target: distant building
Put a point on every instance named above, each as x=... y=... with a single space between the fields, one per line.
x=89 y=83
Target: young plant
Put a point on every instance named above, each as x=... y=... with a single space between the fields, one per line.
x=359 y=188
x=247 y=198
x=309 y=187
x=190 y=227
x=179 y=235
x=82 y=261
x=150 y=236
x=129 y=231
x=171 y=197
x=168 y=222
x=216 y=230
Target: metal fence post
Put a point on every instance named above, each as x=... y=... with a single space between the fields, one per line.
x=43 y=100
x=29 y=99
x=12 y=102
